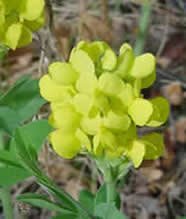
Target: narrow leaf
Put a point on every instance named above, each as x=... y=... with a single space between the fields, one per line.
x=8 y=158
x=108 y=211
x=86 y=198
x=9 y=119
x=23 y=98
x=42 y=202
x=12 y=175
x=32 y=166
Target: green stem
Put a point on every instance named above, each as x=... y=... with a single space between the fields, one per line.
x=111 y=192
x=110 y=185
x=7 y=203
x=143 y=27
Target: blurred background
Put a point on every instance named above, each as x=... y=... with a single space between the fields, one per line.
x=158 y=189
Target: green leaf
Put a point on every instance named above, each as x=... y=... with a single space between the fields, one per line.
x=42 y=201
x=35 y=133
x=108 y=211
x=101 y=195
x=66 y=216
x=12 y=175
x=30 y=164
x=72 y=216
x=23 y=98
x=9 y=119
x=8 y=158
x=86 y=198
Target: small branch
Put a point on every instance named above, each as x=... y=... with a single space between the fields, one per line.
x=82 y=12
x=105 y=11
x=50 y=14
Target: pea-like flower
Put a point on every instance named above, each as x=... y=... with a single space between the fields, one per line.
x=18 y=19
x=97 y=105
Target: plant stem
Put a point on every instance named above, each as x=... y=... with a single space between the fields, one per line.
x=143 y=27
x=111 y=192
x=110 y=185
x=7 y=203
x=105 y=11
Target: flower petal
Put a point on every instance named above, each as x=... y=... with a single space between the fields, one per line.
x=136 y=152
x=110 y=84
x=82 y=103
x=81 y=62
x=87 y=83
x=63 y=73
x=140 y=111
x=91 y=125
x=52 y=91
x=108 y=60
x=65 y=145
x=83 y=138
x=149 y=80
x=125 y=61
x=160 y=113
x=117 y=122
x=154 y=145
x=66 y=118
x=144 y=66
x=32 y=9
x=13 y=35
x=127 y=95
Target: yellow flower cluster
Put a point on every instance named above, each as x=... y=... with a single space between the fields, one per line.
x=97 y=104
x=18 y=19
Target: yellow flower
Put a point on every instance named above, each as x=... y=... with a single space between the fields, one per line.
x=18 y=18
x=97 y=105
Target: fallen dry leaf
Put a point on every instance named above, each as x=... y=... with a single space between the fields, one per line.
x=174 y=50
x=151 y=173
x=174 y=93
x=180 y=129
